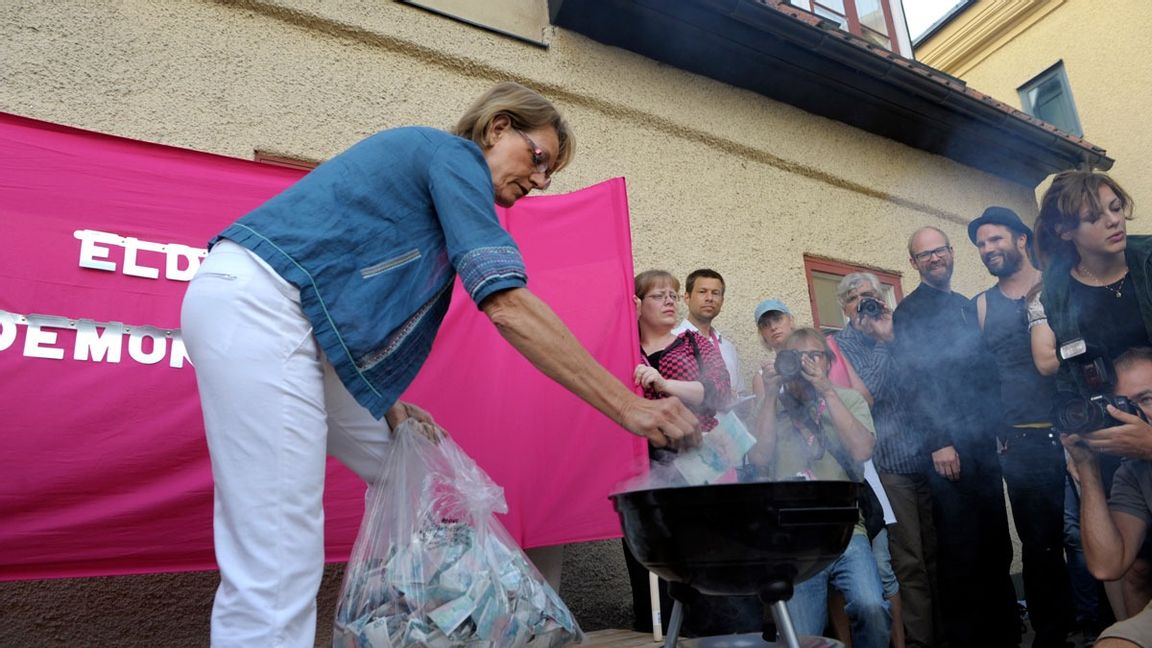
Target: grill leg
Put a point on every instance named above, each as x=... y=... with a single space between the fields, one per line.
x=674 y=624
x=783 y=624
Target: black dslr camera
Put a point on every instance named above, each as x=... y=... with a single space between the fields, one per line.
x=871 y=307
x=1094 y=376
x=788 y=365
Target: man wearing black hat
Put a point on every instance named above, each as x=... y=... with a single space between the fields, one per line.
x=1030 y=452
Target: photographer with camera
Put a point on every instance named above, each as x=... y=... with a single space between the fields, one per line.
x=950 y=384
x=1097 y=296
x=899 y=457
x=775 y=323
x=1030 y=453
x=808 y=428
x=1115 y=528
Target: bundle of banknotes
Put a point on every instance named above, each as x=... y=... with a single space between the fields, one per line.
x=454 y=586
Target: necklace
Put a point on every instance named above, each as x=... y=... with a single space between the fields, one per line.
x=1116 y=288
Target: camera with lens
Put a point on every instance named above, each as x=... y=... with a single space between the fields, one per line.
x=788 y=365
x=1079 y=415
x=1095 y=378
x=871 y=307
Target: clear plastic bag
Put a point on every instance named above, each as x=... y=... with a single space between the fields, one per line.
x=432 y=566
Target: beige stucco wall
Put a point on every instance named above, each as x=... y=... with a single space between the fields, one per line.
x=1105 y=55
x=717 y=177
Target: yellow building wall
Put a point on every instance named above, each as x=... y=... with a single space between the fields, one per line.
x=997 y=46
x=717 y=176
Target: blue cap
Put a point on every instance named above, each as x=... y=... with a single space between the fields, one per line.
x=769 y=305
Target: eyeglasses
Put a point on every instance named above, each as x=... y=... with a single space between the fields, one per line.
x=662 y=297
x=941 y=252
x=539 y=158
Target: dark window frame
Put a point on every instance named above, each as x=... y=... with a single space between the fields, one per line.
x=1059 y=73
x=826 y=265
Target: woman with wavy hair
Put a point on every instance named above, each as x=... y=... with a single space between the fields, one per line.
x=1097 y=279
x=1096 y=302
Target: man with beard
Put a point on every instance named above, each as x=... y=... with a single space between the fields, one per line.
x=953 y=398
x=1030 y=452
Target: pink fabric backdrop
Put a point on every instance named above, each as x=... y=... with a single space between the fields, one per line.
x=104 y=465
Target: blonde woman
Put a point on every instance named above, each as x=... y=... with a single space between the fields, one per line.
x=312 y=314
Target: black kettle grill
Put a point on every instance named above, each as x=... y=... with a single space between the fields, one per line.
x=756 y=538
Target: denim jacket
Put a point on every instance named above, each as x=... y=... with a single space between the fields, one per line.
x=374 y=239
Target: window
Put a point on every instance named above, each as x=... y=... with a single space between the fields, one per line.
x=825 y=274
x=869 y=19
x=1049 y=97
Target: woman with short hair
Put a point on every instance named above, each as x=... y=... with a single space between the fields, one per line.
x=313 y=313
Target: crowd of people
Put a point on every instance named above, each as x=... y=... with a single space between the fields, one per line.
x=935 y=404
x=1041 y=384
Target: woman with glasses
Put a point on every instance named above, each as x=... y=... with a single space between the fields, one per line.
x=689 y=367
x=775 y=323
x=314 y=312
x=810 y=429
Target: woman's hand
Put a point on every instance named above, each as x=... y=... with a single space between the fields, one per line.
x=666 y=422
x=769 y=378
x=402 y=411
x=815 y=374
x=649 y=378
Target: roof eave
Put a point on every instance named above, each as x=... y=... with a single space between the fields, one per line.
x=790 y=55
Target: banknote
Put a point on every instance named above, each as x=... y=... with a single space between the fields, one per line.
x=718 y=454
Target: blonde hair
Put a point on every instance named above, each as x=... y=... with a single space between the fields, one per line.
x=525 y=108
x=649 y=279
x=1069 y=193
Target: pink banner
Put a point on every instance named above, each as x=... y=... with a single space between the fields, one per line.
x=103 y=456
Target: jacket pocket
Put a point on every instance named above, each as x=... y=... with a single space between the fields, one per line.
x=385 y=266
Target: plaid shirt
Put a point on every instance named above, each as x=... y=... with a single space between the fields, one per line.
x=678 y=362
x=899 y=449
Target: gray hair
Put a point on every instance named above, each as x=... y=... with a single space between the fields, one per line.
x=852 y=282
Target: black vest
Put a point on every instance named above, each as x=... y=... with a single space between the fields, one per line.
x=1026 y=395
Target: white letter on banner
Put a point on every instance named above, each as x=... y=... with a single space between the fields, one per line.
x=104 y=346
x=7 y=329
x=131 y=247
x=89 y=253
x=36 y=336
x=179 y=353
x=175 y=253
x=136 y=345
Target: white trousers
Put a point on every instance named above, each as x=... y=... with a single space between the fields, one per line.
x=273 y=409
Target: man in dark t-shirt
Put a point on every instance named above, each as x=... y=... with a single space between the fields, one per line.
x=1030 y=452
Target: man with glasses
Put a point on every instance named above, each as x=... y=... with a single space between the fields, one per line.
x=1030 y=452
x=899 y=455
x=704 y=296
x=950 y=382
